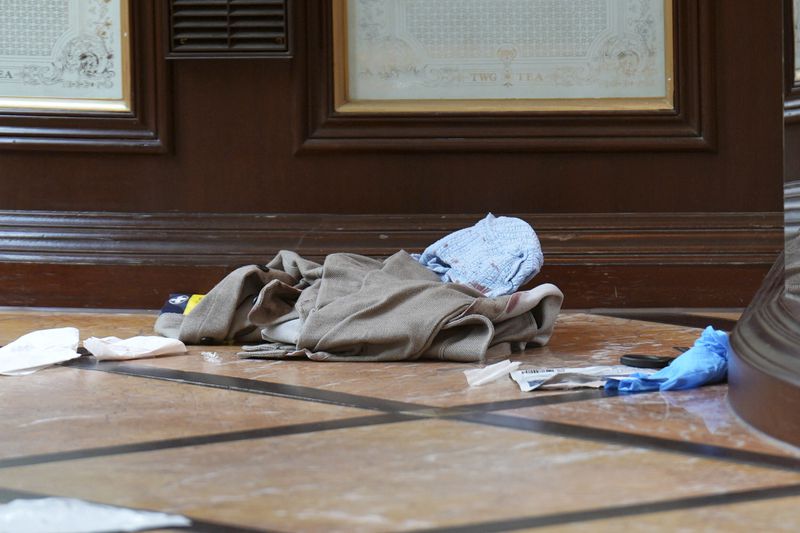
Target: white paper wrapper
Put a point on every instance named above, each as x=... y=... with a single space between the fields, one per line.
x=67 y=515
x=116 y=349
x=482 y=376
x=39 y=349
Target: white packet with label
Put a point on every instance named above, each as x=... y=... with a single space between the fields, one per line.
x=571 y=378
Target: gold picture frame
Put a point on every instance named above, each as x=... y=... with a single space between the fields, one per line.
x=88 y=60
x=345 y=102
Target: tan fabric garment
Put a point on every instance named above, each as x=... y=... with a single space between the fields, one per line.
x=355 y=308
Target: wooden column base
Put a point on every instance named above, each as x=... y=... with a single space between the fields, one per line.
x=764 y=373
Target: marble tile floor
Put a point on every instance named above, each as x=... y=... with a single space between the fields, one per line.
x=250 y=445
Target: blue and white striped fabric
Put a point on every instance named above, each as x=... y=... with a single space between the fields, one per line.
x=495 y=256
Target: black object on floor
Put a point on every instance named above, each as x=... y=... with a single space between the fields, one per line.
x=645 y=361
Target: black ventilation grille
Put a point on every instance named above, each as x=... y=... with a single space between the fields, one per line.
x=229 y=27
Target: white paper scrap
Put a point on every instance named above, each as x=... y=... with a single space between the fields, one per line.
x=571 y=378
x=481 y=376
x=211 y=357
x=39 y=349
x=116 y=349
x=68 y=515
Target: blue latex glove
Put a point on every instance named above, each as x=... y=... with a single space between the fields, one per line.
x=703 y=364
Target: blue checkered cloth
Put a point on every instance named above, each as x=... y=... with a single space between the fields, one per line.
x=495 y=256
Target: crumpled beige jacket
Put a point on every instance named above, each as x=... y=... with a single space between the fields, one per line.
x=355 y=308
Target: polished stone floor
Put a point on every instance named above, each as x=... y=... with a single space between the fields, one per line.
x=250 y=445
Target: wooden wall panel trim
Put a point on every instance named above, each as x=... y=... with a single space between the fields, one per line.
x=100 y=286
x=146 y=129
x=232 y=239
x=130 y=260
x=585 y=286
x=691 y=126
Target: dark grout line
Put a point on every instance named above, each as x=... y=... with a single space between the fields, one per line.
x=202 y=440
x=707 y=451
x=281 y=390
x=403 y=411
x=310 y=394
x=6 y=495
x=533 y=401
x=624 y=511
x=201 y=526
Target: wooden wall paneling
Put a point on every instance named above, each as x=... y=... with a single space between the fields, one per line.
x=234 y=239
x=665 y=226
x=93 y=286
x=100 y=286
x=237 y=123
x=145 y=129
x=690 y=126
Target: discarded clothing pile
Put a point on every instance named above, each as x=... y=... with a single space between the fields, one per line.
x=355 y=308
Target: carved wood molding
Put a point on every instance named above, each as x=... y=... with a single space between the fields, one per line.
x=231 y=239
x=690 y=126
x=129 y=260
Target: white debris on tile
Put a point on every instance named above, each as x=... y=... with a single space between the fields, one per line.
x=211 y=357
x=69 y=515
x=482 y=376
